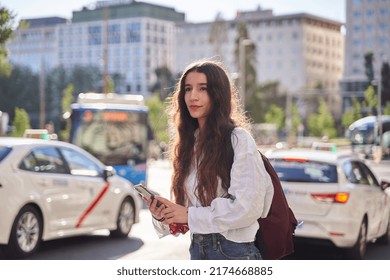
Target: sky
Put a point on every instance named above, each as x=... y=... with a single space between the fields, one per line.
x=195 y=10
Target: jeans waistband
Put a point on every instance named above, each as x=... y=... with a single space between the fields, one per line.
x=207 y=237
x=212 y=239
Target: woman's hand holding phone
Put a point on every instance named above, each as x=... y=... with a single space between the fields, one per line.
x=156 y=208
x=153 y=204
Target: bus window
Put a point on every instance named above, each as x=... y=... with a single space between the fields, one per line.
x=117 y=134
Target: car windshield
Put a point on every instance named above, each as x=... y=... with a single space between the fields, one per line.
x=4 y=151
x=305 y=171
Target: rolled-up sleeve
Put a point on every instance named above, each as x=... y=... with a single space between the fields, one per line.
x=250 y=188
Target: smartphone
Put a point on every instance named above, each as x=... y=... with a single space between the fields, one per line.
x=143 y=191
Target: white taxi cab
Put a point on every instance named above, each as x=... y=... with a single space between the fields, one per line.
x=336 y=197
x=53 y=189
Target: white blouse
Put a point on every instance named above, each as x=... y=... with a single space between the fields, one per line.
x=250 y=190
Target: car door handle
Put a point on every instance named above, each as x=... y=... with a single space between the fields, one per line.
x=43 y=182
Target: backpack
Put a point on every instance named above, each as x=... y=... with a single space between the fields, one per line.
x=275 y=237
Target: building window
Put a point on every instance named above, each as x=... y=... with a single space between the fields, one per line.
x=114 y=34
x=384 y=41
x=94 y=35
x=370 y=13
x=133 y=32
x=385 y=12
x=356 y=28
x=370 y=27
x=384 y=26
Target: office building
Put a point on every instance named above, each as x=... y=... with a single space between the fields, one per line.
x=368 y=30
x=122 y=37
x=35 y=43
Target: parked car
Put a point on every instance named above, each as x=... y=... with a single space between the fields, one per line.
x=335 y=197
x=53 y=189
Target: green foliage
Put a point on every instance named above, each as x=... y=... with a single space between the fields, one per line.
x=296 y=119
x=385 y=79
x=322 y=124
x=67 y=99
x=275 y=115
x=370 y=99
x=20 y=89
x=20 y=123
x=158 y=118
x=386 y=110
x=6 y=21
x=5 y=67
x=353 y=114
x=255 y=108
x=165 y=82
x=258 y=104
x=369 y=66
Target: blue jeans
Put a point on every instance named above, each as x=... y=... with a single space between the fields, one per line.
x=215 y=246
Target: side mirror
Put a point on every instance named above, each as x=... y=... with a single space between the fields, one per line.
x=109 y=171
x=384 y=185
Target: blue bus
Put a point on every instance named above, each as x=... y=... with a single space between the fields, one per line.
x=364 y=135
x=114 y=128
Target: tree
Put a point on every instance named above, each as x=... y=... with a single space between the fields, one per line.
x=385 y=78
x=67 y=99
x=265 y=95
x=85 y=79
x=322 y=124
x=20 y=89
x=296 y=119
x=386 y=110
x=275 y=115
x=370 y=100
x=6 y=21
x=165 y=82
x=20 y=123
x=353 y=114
x=158 y=118
x=369 y=66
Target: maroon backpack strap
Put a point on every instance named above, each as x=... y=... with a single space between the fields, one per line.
x=275 y=235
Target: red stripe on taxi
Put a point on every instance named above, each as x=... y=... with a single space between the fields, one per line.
x=93 y=204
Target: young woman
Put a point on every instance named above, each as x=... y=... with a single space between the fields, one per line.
x=219 y=184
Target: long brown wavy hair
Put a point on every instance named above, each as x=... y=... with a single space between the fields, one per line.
x=214 y=154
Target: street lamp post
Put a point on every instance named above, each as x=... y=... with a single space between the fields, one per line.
x=42 y=102
x=106 y=15
x=379 y=114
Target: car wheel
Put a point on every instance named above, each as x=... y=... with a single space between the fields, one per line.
x=125 y=219
x=385 y=239
x=26 y=233
x=358 y=251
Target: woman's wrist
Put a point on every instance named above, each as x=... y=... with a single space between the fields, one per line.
x=158 y=220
